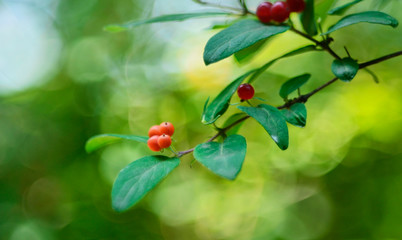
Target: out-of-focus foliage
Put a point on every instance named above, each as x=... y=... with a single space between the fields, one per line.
x=63 y=79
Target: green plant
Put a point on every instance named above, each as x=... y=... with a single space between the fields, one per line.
x=225 y=158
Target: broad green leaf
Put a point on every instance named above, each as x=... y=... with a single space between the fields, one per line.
x=224 y=159
x=293 y=84
x=99 y=141
x=239 y=36
x=345 y=69
x=370 y=17
x=289 y=54
x=296 y=114
x=342 y=9
x=272 y=121
x=232 y=119
x=164 y=18
x=307 y=18
x=221 y=103
x=246 y=54
x=138 y=178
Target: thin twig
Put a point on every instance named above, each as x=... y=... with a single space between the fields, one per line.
x=305 y=97
x=322 y=44
x=300 y=99
x=219 y=6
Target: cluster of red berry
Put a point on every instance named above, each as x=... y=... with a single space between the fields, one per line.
x=159 y=136
x=279 y=11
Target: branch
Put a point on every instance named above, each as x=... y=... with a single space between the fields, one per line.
x=300 y=99
x=305 y=97
x=242 y=10
x=323 y=44
x=245 y=8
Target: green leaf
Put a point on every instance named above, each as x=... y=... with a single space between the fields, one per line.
x=138 y=178
x=342 y=9
x=272 y=121
x=370 y=17
x=99 y=141
x=164 y=18
x=237 y=37
x=221 y=103
x=296 y=114
x=345 y=69
x=262 y=69
x=246 y=54
x=224 y=159
x=293 y=84
x=232 y=119
x=307 y=18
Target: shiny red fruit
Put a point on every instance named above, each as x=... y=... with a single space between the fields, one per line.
x=264 y=12
x=245 y=91
x=164 y=141
x=280 y=11
x=154 y=131
x=153 y=144
x=296 y=5
x=167 y=128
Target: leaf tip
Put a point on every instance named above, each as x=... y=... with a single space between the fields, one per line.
x=114 y=28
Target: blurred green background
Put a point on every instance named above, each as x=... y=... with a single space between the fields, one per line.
x=63 y=80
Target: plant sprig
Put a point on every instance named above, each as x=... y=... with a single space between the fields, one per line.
x=225 y=158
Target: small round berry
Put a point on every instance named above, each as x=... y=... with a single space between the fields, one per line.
x=167 y=128
x=245 y=91
x=296 y=5
x=280 y=11
x=164 y=141
x=153 y=143
x=264 y=12
x=154 y=131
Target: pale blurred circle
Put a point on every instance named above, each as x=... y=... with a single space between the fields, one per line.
x=30 y=46
x=88 y=60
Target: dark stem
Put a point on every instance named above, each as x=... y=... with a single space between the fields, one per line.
x=347 y=52
x=242 y=10
x=300 y=99
x=323 y=44
x=381 y=59
x=305 y=97
x=244 y=6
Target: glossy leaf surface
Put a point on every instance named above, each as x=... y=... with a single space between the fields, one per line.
x=293 y=84
x=221 y=103
x=307 y=18
x=272 y=121
x=237 y=37
x=138 y=178
x=296 y=114
x=224 y=159
x=369 y=17
x=345 y=69
x=343 y=8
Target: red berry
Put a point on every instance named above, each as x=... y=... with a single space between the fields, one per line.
x=245 y=91
x=296 y=5
x=164 y=141
x=264 y=12
x=167 y=128
x=153 y=143
x=280 y=11
x=154 y=131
